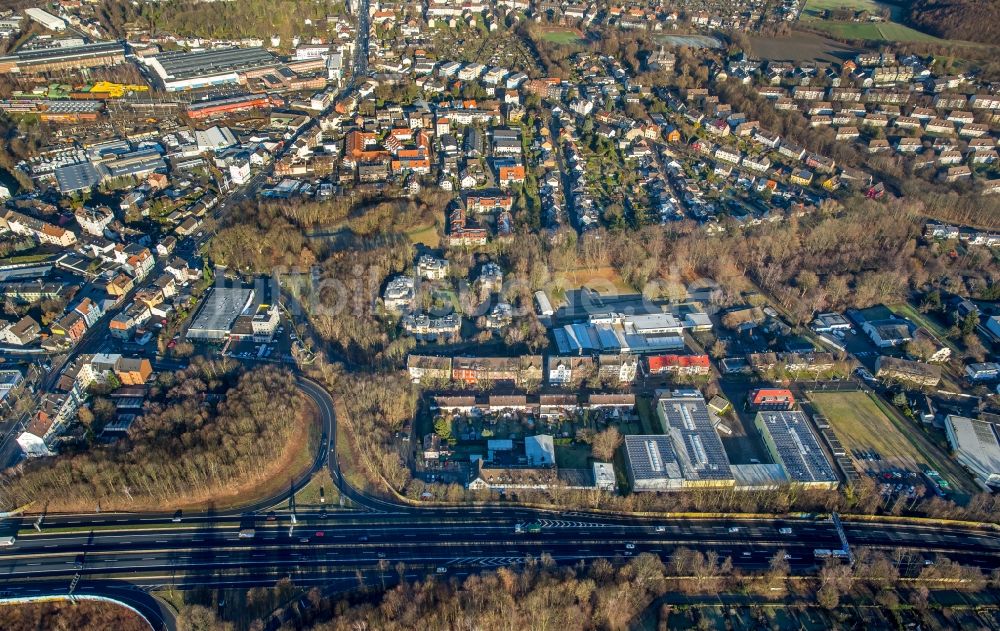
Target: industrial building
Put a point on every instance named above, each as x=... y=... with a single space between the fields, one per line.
x=691 y=426
x=74 y=178
x=218 y=313
x=651 y=463
x=181 y=70
x=46 y=19
x=977 y=446
x=689 y=454
x=228 y=105
x=793 y=445
x=99 y=54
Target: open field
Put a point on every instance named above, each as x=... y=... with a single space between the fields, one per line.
x=862 y=427
x=815 y=8
x=875 y=31
x=427 y=235
x=603 y=280
x=563 y=36
x=894 y=31
x=800 y=46
x=572 y=456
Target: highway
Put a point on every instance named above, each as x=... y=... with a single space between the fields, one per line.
x=126 y=554
x=123 y=556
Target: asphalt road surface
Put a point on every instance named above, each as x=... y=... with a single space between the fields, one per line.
x=122 y=555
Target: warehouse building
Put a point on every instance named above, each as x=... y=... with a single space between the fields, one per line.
x=46 y=19
x=977 y=446
x=218 y=313
x=75 y=178
x=690 y=454
x=53 y=59
x=182 y=70
x=793 y=445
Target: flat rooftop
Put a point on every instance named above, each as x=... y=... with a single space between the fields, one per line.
x=180 y=65
x=221 y=308
x=977 y=442
x=49 y=55
x=691 y=428
x=797 y=447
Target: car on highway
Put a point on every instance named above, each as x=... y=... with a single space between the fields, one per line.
x=734 y=529
x=363 y=538
x=630 y=546
x=177 y=517
x=785 y=531
x=661 y=529
x=442 y=570
x=381 y=555
x=320 y=533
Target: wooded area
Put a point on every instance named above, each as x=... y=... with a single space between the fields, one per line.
x=537 y=594
x=224 y=20
x=69 y=616
x=971 y=20
x=207 y=431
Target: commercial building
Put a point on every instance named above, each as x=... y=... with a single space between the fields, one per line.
x=651 y=463
x=793 y=445
x=182 y=70
x=976 y=446
x=219 y=311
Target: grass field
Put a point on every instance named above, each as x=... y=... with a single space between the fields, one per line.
x=885 y=31
x=862 y=426
x=601 y=279
x=562 y=36
x=428 y=235
x=815 y=8
x=894 y=31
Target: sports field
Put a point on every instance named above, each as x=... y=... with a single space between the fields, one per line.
x=863 y=428
x=562 y=36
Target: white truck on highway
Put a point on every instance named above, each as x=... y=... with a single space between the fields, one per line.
x=6 y=542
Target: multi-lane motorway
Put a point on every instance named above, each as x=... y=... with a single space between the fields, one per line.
x=121 y=555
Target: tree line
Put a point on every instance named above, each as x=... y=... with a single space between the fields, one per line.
x=612 y=594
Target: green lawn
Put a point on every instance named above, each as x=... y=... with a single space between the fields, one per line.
x=427 y=235
x=885 y=31
x=815 y=8
x=862 y=426
x=565 y=37
x=812 y=15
